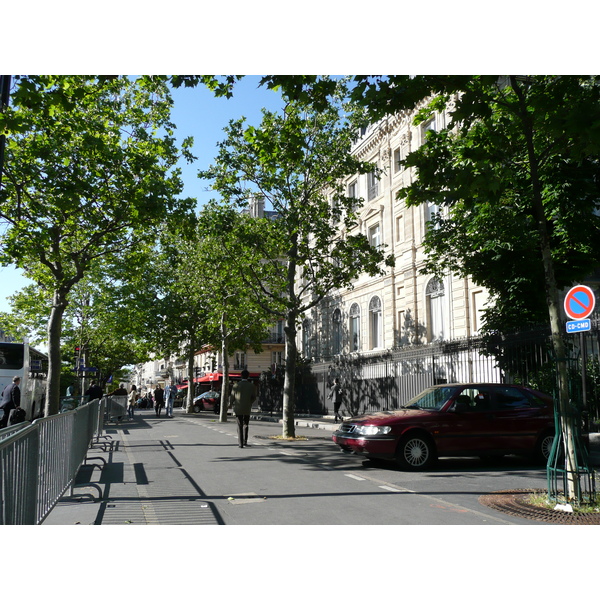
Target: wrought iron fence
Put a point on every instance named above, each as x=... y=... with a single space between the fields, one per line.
x=385 y=381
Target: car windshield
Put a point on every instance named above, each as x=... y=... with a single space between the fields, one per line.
x=431 y=399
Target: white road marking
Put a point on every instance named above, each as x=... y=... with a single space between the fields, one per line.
x=389 y=489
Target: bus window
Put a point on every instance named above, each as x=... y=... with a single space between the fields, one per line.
x=11 y=356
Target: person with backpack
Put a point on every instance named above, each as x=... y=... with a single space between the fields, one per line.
x=11 y=398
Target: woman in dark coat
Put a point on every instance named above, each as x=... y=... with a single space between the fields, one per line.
x=159 y=400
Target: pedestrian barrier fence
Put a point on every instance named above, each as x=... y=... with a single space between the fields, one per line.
x=8 y=431
x=71 y=402
x=39 y=461
x=116 y=407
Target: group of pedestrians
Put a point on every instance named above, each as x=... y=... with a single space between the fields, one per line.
x=242 y=397
x=160 y=398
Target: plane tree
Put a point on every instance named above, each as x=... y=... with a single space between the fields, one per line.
x=296 y=162
x=90 y=166
x=234 y=319
x=173 y=297
x=191 y=295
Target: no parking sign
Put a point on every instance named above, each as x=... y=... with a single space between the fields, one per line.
x=579 y=304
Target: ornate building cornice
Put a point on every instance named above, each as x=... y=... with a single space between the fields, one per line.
x=376 y=135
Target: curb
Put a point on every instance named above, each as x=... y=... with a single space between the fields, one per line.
x=299 y=422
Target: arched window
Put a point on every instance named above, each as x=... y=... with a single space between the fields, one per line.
x=306 y=345
x=376 y=322
x=354 y=328
x=434 y=293
x=336 y=331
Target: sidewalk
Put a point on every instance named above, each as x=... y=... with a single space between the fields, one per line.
x=115 y=469
x=312 y=421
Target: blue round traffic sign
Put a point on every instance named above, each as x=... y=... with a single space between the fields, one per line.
x=579 y=302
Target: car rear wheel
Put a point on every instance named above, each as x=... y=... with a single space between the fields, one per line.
x=196 y=408
x=415 y=452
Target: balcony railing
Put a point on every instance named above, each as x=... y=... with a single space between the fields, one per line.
x=275 y=338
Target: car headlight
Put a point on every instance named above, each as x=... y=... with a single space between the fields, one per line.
x=372 y=430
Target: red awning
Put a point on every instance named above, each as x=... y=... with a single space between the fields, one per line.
x=216 y=377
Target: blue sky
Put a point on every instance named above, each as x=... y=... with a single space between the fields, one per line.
x=199 y=114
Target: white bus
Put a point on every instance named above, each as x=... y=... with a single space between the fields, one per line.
x=32 y=367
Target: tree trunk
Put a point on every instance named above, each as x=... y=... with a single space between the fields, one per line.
x=59 y=304
x=225 y=381
x=189 y=406
x=566 y=420
x=289 y=382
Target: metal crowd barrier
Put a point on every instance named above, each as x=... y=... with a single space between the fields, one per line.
x=71 y=402
x=8 y=431
x=116 y=407
x=39 y=461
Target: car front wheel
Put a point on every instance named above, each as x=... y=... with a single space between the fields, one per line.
x=415 y=452
x=196 y=408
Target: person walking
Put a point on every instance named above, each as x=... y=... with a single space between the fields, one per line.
x=242 y=397
x=131 y=401
x=170 y=392
x=159 y=400
x=11 y=398
x=337 y=395
x=94 y=391
x=120 y=391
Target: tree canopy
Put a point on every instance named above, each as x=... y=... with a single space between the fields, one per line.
x=509 y=142
x=90 y=165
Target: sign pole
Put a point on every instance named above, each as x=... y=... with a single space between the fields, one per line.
x=580 y=302
x=584 y=405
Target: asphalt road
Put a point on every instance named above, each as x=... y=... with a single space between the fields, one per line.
x=190 y=470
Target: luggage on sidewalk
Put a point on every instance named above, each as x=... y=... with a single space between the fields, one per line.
x=17 y=415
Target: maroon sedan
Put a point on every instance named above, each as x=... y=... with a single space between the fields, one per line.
x=210 y=400
x=475 y=419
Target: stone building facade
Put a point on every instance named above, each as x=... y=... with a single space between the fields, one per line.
x=403 y=306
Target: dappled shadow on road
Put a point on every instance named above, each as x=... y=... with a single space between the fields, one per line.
x=315 y=454
x=312 y=457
